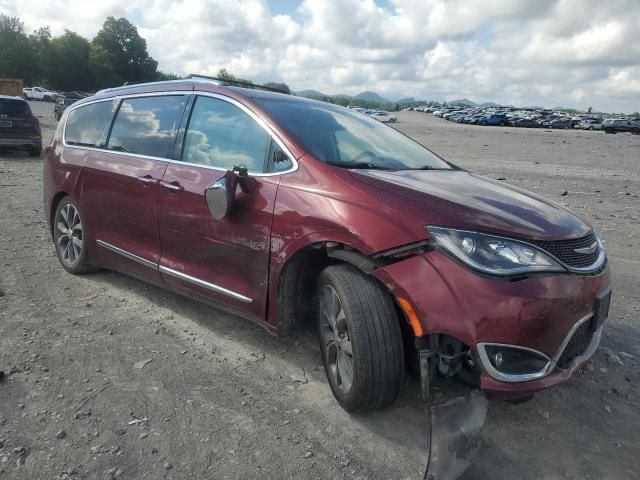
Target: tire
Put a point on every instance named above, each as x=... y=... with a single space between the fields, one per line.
x=68 y=232
x=355 y=313
x=35 y=152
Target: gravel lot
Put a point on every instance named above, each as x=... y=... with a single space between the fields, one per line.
x=221 y=398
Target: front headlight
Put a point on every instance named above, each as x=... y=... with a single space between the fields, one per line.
x=494 y=255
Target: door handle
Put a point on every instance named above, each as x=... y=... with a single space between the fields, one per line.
x=171 y=186
x=148 y=180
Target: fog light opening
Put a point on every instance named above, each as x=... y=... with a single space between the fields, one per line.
x=497 y=359
x=513 y=363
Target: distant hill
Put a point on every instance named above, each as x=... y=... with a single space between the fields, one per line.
x=311 y=94
x=406 y=100
x=371 y=97
x=489 y=104
x=463 y=101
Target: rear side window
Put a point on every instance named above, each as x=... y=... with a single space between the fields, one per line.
x=222 y=135
x=147 y=125
x=86 y=124
x=14 y=108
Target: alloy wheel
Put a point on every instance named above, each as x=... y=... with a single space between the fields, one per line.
x=70 y=241
x=336 y=341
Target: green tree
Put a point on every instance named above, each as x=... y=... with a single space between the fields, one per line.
x=101 y=68
x=283 y=87
x=40 y=41
x=68 y=62
x=162 y=76
x=123 y=53
x=16 y=53
x=590 y=110
x=224 y=75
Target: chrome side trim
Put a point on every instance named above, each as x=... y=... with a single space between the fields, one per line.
x=201 y=283
x=509 y=377
x=567 y=339
x=552 y=362
x=129 y=255
x=241 y=106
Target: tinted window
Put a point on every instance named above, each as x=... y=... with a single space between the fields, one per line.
x=222 y=135
x=86 y=124
x=339 y=136
x=14 y=108
x=147 y=125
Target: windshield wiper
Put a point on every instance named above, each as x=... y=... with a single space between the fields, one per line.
x=430 y=167
x=360 y=166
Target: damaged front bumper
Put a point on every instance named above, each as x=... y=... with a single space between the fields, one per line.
x=540 y=313
x=453 y=437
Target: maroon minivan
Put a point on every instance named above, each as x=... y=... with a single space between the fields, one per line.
x=287 y=210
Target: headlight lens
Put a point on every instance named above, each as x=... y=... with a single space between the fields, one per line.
x=494 y=255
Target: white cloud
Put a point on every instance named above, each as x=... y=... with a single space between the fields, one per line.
x=552 y=52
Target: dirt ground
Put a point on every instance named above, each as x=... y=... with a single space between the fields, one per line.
x=221 y=398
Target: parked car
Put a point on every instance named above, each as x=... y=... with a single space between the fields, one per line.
x=494 y=120
x=384 y=117
x=39 y=93
x=562 y=122
x=288 y=210
x=524 y=122
x=615 y=125
x=19 y=128
x=61 y=105
x=590 y=124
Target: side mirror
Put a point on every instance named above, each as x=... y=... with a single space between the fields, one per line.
x=221 y=195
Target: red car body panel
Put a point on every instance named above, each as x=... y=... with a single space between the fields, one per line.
x=232 y=252
x=121 y=210
x=537 y=312
x=368 y=211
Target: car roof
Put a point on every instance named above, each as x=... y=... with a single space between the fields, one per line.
x=197 y=85
x=11 y=97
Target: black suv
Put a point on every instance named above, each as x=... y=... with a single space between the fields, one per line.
x=19 y=128
x=615 y=125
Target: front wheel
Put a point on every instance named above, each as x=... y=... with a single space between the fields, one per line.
x=69 y=238
x=360 y=339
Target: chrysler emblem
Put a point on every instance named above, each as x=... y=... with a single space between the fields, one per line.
x=587 y=250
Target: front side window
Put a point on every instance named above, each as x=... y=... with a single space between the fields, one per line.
x=86 y=124
x=147 y=125
x=222 y=135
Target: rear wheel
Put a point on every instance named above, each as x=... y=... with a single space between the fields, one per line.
x=69 y=238
x=360 y=339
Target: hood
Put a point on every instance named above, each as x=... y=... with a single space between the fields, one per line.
x=459 y=199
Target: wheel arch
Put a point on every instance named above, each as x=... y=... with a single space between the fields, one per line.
x=55 y=201
x=295 y=284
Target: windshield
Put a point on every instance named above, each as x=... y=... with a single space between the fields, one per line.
x=342 y=137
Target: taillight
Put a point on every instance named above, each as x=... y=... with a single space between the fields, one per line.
x=32 y=121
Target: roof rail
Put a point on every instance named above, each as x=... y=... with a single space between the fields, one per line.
x=239 y=83
x=134 y=84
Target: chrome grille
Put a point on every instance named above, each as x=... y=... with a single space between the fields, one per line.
x=564 y=250
x=579 y=342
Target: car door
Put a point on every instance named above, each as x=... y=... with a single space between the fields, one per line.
x=120 y=183
x=223 y=261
